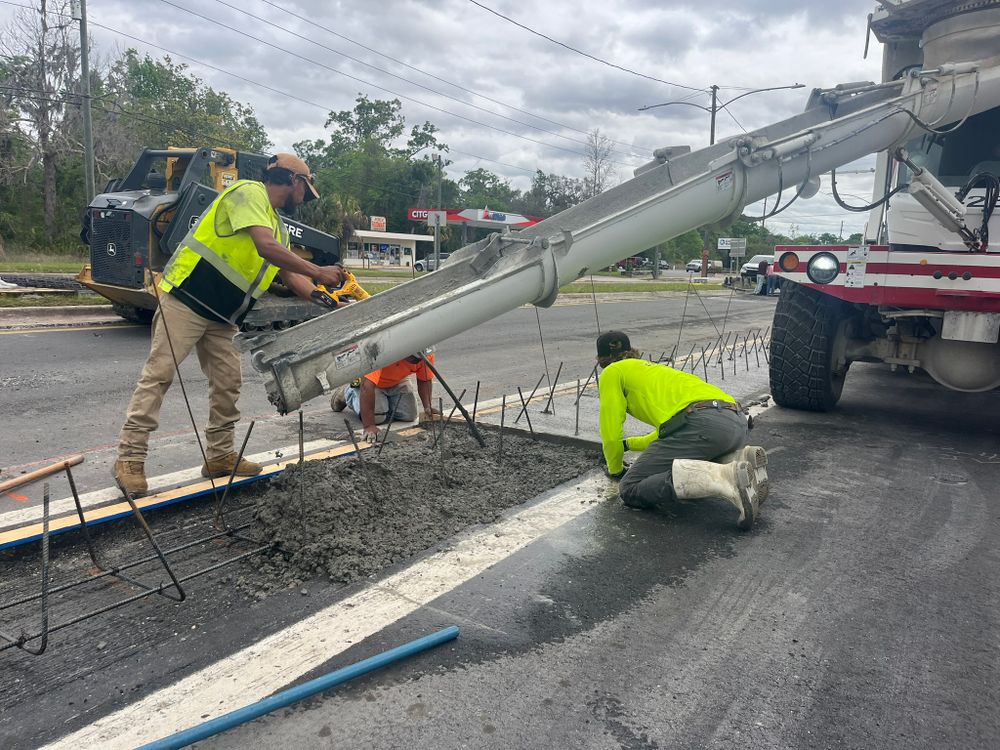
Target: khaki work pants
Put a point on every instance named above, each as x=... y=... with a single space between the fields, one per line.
x=213 y=340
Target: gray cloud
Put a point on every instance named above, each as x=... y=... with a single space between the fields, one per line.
x=749 y=43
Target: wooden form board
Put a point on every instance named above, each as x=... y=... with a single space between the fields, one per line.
x=68 y=522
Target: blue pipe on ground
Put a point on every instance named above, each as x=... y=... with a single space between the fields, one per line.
x=287 y=697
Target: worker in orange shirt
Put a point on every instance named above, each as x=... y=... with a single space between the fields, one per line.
x=385 y=393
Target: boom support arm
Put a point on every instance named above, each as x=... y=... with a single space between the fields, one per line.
x=665 y=199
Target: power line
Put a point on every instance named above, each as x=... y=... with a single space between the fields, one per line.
x=312 y=22
x=438 y=78
x=279 y=92
x=374 y=85
x=581 y=52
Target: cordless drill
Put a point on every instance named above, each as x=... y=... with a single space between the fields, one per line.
x=333 y=298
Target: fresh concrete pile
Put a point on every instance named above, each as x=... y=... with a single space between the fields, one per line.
x=345 y=518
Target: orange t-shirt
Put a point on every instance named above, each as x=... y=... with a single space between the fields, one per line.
x=397 y=372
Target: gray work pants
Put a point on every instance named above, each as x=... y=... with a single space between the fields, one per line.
x=708 y=434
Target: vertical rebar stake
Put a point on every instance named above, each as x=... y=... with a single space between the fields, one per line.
x=592 y=373
x=503 y=412
x=689 y=359
x=361 y=463
x=475 y=402
x=220 y=520
x=451 y=394
x=524 y=410
x=439 y=439
x=576 y=428
x=302 y=440
x=388 y=426
x=704 y=363
x=451 y=413
x=45 y=578
x=552 y=392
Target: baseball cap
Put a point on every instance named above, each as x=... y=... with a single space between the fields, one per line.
x=611 y=343
x=297 y=167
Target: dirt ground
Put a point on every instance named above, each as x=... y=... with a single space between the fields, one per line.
x=346 y=519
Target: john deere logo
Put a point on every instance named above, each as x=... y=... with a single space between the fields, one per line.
x=112 y=249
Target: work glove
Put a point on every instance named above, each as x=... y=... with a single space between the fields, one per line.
x=429 y=415
x=370 y=434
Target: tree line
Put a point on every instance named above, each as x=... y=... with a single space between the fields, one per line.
x=367 y=162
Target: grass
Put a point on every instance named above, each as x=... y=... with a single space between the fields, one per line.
x=53 y=300
x=42 y=264
x=580 y=287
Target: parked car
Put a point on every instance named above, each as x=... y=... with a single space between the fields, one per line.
x=694 y=266
x=634 y=264
x=749 y=269
x=428 y=263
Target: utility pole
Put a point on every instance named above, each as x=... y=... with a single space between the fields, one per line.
x=437 y=220
x=79 y=13
x=713 y=111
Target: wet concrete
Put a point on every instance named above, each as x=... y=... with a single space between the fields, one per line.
x=347 y=519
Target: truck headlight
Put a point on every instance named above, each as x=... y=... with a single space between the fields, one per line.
x=823 y=268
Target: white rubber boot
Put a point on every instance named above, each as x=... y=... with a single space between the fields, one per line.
x=756 y=456
x=694 y=480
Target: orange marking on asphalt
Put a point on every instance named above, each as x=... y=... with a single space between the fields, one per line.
x=18 y=498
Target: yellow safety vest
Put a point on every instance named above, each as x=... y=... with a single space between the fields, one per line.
x=234 y=255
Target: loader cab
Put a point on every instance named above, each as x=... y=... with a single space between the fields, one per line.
x=954 y=158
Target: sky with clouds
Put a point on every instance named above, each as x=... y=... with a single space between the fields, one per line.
x=504 y=98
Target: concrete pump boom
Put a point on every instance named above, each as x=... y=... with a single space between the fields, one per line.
x=666 y=198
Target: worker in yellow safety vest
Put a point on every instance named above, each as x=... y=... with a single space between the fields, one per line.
x=698 y=446
x=225 y=263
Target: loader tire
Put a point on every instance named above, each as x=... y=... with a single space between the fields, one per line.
x=132 y=313
x=807 y=325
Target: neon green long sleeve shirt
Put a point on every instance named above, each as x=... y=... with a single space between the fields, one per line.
x=650 y=393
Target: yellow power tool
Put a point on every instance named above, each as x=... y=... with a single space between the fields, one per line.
x=333 y=298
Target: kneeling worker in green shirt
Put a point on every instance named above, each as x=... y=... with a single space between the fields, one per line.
x=698 y=448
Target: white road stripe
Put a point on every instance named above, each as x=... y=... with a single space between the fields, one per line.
x=272 y=663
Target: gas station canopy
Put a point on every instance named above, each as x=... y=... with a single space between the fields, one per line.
x=476 y=217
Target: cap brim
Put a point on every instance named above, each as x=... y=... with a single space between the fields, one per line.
x=311 y=192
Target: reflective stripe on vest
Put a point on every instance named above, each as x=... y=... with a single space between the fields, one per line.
x=253 y=278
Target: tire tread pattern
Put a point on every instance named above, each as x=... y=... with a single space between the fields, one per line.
x=802 y=338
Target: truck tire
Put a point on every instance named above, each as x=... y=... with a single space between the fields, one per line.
x=807 y=327
x=132 y=313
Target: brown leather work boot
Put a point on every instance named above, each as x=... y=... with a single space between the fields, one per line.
x=223 y=467
x=337 y=400
x=132 y=476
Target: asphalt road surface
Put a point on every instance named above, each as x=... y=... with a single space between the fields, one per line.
x=861 y=612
